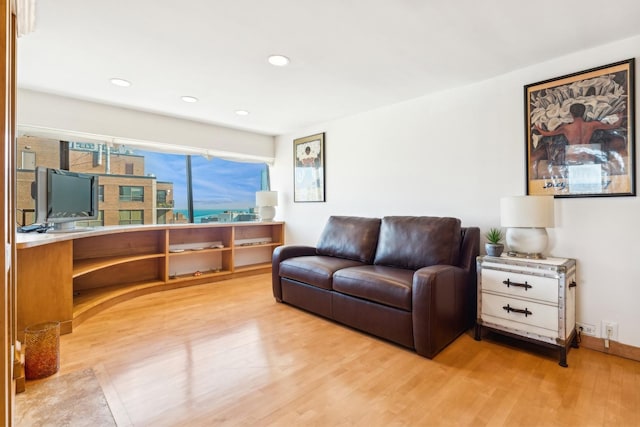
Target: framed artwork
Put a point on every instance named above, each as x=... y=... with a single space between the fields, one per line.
x=580 y=133
x=308 y=161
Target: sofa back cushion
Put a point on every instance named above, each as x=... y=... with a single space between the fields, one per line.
x=349 y=237
x=414 y=242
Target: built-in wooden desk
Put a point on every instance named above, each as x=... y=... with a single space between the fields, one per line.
x=69 y=277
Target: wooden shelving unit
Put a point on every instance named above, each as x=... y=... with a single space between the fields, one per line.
x=113 y=264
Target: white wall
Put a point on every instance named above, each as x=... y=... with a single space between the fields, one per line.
x=456 y=153
x=37 y=109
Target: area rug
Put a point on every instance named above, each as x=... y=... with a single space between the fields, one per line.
x=74 y=399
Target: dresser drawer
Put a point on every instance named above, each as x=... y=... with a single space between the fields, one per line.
x=520 y=285
x=506 y=311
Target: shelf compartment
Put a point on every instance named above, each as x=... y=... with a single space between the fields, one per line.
x=186 y=263
x=85 y=266
x=144 y=269
x=119 y=244
x=189 y=238
x=252 y=267
x=258 y=233
x=248 y=256
x=89 y=302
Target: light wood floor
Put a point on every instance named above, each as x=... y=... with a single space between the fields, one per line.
x=228 y=354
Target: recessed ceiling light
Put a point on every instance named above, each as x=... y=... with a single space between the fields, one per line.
x=189 y=99
x=278 y=60
x=120 y=82
x=242 y=112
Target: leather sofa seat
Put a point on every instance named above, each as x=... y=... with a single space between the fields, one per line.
x=384 y=285
x=315 y=270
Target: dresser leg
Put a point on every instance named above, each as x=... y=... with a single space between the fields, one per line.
x=563 y=357
x=478 y=334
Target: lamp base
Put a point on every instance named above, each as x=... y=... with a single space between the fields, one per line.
x=527 y=242
x=266 y=213
x=523 y=255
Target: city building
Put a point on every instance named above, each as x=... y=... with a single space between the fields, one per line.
x=126 y=194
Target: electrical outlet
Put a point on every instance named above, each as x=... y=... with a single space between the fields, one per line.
x=586 y=329
x=609 y=330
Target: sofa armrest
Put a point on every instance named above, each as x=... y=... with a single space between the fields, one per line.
x=470 y=250
x=439 y=298
x=280 y=254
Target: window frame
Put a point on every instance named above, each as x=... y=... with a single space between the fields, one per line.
x=130 y=197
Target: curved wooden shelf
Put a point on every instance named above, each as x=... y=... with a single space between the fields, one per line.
x=188 y=252
x=84 y=266
x=109 y=265
x=252 y=267
x=87 y=303
x=203 y=275
x=260 y=245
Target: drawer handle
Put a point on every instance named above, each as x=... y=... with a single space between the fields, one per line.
x=524 y=285
x=508 y=309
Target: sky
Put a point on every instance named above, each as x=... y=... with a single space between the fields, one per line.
x=217 y=183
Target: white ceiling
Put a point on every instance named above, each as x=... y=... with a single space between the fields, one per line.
x=347 y=56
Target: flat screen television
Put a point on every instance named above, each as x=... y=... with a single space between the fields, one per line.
x=63 y=197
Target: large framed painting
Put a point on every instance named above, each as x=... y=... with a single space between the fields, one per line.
x=580 y=133
x=308 y=160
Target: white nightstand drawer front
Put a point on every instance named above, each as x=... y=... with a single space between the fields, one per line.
x=520 y=311
x=520 y=285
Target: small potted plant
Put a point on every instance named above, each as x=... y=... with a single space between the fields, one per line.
x=493 y=246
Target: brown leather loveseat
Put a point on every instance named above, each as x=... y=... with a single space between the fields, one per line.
x=409 y=280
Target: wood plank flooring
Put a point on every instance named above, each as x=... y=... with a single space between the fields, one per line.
x=227 y=354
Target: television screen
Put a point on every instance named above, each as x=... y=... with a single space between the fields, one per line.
x=63 y=197
x=70 y=196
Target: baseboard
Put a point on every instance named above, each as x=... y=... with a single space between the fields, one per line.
x=615 y=348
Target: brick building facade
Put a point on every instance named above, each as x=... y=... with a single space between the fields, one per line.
x=127 y=195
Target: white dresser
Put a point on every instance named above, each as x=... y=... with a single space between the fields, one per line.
x=529 y=299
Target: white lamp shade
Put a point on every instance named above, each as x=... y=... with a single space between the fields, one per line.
x=266 y=198
x=527 y=211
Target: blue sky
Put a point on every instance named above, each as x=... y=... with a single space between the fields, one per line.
x=217 y=183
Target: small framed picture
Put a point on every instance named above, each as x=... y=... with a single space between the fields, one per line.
x=308 y=167
x=580 y=133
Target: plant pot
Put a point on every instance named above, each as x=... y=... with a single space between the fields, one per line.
x=494 y=249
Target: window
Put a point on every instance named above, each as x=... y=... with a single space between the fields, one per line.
x=93 y=223
x=131 y=217
x=161 y=197
x=170 y=172
x=28 y=160
x=130 y=193
x=226 y=190
x=179 y=188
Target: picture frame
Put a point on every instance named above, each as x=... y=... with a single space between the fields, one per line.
x=308 y=169
x=580 y=133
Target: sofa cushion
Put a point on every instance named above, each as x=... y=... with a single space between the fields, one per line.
x=416 y=242
x=349 y=237
x=315 y=270
x=384 y=285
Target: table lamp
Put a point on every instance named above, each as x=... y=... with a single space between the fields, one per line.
x=266 y=202
x=526 y=219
